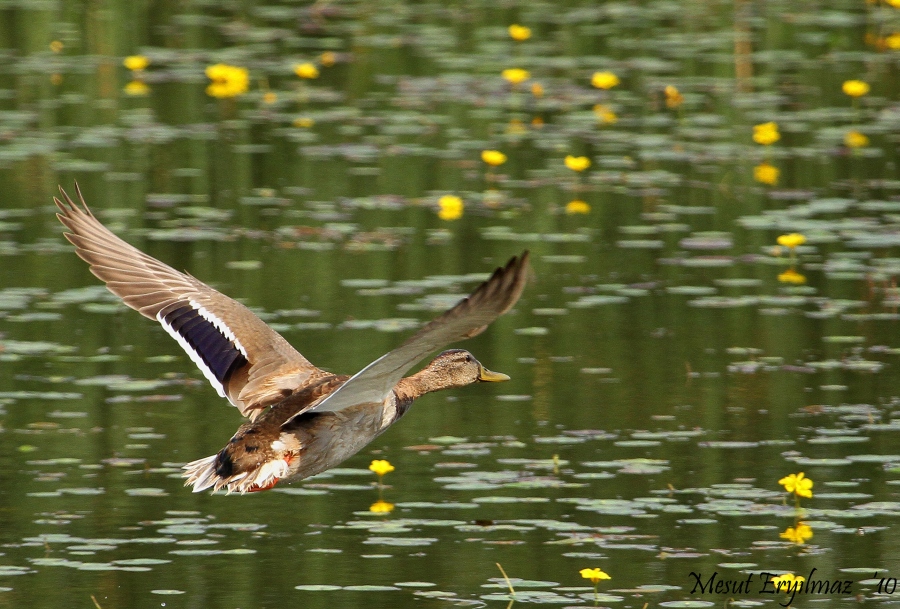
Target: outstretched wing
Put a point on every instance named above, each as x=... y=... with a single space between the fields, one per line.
x=468 y=318
x=243 y=358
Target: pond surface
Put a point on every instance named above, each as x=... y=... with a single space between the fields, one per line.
x=670 y=360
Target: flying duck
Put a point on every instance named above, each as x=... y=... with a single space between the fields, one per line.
x=301 y=420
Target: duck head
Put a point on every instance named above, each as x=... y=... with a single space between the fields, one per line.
x=457 y=368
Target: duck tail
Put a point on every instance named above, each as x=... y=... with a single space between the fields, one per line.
x=202 y=474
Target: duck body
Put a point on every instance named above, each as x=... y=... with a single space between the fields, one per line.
x=292 y=441
x=302 y=420
x=270 y=449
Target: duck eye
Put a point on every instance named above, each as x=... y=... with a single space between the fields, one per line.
x=469 y=358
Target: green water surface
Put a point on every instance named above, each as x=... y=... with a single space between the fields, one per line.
x=669 y=361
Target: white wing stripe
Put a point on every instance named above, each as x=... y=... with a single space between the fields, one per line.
x=219 y=324
x=195 y=357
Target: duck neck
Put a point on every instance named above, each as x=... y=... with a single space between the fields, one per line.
x=412 y=387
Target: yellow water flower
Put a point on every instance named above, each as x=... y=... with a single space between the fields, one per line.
x=381 y=507
x=788 y=582
x=595 y=575
x=451 y=207
x=519 y=32
x=791 y=240
x=674 y=98
x=306 y=70
x=792 y=276
x=766 y=133
x=766 y=174
x=328 y=58
x=537 y=89
x=797 y=534
x=493 y=157
x=56 y=46
x=797 y=484
x=577 y=163
x=855 y=88
x=893 y=41
x=577 y=207
x=136 y=63
x=303 y=121
x=604 y=80
x=270 y=97
x=381 y=467
x=227 y=81
x=516 y=126
x=605 y=115
x=894 y=3
x=515 y=75
x=137 y=88
x=855 y=139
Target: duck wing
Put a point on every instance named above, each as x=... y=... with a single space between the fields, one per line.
x=244 y=359
x=468 y=318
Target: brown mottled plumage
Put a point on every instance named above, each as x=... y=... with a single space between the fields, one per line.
x=302 y=420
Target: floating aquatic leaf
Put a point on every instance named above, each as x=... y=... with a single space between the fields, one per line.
x=724 y=302
x=698 y=521
x=828 y=462
x=636 y=443
x=640 y=243
x=401 y=541
x=506 y=499
x=146 y=492
x=520 y=583
x=862 y=570
x=295 y=490
x=873 y=458
x=559 y=440
x=21 y=347
x=838 y=440
x=844 y=340
x=97 y=566
x=415 y=584
x=244 y=265
x=532 y=331
x=83 y=491
x=183 y=529
x=91 y=548
x=457 y=505
x=728 y=444
x=550 y=311
x=529 y=596
x=448 y=440
x=708 y=241
x=337 y=487
x=738 y=282
x=846 y=496
x=691 y=290
x=597 y=300
x=14 y=570
x=563 y=259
